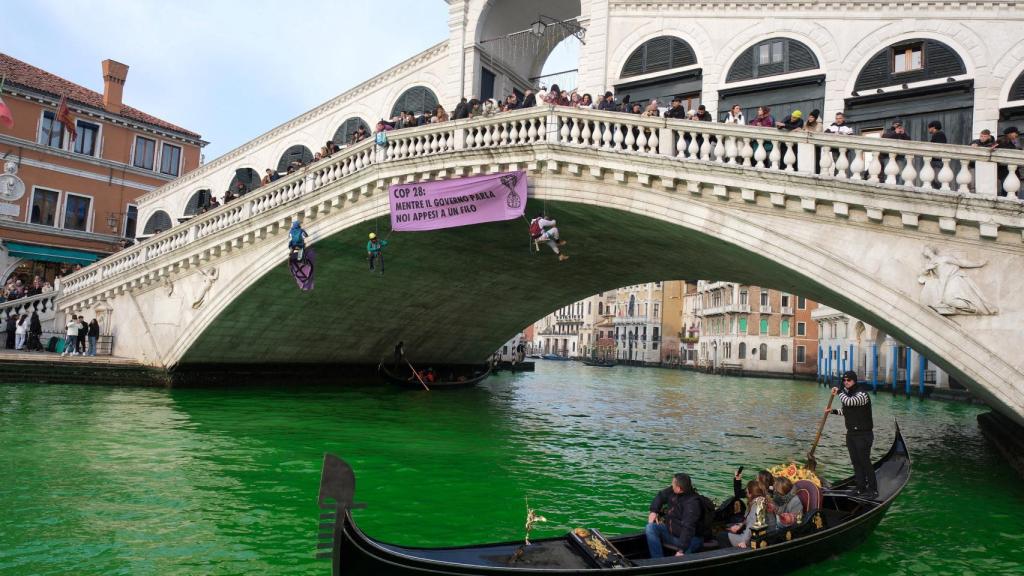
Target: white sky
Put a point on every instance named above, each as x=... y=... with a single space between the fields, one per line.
x=229 y=70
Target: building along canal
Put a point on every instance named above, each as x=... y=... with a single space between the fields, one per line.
x=116 y=480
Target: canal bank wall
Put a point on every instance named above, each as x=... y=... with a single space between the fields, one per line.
x=48 y=368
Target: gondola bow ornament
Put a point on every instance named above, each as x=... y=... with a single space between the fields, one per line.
x=531 y=518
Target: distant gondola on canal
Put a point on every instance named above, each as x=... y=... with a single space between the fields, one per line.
x=449 y=378
x=840 y=523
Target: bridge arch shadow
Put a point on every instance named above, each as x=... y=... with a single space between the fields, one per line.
x=456 y=295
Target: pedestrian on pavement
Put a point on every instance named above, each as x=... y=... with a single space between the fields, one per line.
x=94 y=334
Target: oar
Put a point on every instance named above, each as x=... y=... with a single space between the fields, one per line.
x=417 y=375
x=812 y=464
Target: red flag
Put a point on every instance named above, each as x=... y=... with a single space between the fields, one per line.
x=65 y=118
x=6 y=118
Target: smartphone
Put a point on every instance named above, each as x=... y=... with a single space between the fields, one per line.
x=739 y=470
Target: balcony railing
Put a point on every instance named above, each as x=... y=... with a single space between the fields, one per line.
x=934 y=169
x=765 y=309
x=726 y=309
x=786 y=310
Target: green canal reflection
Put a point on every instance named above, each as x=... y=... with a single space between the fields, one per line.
x=99 y=480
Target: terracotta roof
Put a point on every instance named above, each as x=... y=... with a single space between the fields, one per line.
x=40 y=80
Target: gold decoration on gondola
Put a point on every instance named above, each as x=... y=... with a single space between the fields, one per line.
x=817 y=522
x=531 y=518
x=795 y=471
x=789 y=535
x=582 y=532
x=600 y=550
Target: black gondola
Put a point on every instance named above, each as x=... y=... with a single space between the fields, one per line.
x=842 y=522
x=602 y=363
x=410 y=381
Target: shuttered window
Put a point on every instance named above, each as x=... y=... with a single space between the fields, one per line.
x=908 y=62
x=158 y=222
x=344 y=133
x=657 y=54
x=772 y=58
x=417 y=100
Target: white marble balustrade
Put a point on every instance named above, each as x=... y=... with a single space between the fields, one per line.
x=920 y=166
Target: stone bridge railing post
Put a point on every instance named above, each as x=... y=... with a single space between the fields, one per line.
x=460 y=138
x=551 y=126
x=805 y=157
x=666 y=142
x=985 y=179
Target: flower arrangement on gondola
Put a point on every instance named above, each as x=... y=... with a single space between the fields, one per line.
x=795 y=471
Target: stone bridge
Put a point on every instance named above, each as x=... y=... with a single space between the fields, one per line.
x=910 y=237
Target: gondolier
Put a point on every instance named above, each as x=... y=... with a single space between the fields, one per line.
x=856 y=411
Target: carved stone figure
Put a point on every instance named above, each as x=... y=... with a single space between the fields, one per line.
x=169 y=285
x=209 y=277
x=947 y=289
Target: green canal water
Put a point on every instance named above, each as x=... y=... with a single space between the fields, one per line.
x=100 y=480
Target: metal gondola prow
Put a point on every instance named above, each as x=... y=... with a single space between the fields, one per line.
x=337 y=492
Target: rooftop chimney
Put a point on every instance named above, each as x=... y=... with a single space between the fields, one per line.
x=114 y=74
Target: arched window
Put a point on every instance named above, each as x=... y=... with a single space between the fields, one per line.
x=772 y=58
x=784 y=353
x=198 y=203
x=343 y=135
x=657 y=54
x=763 y=351
x=248 y=177
x=910 y=61
x=297 y=156
x=1017 y=90
x=743 y=350
x=600 y=308
x=158 y=222
x=417 y=100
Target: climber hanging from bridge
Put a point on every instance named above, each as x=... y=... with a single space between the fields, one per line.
x=297 y=242
x=375 y=251
x=544 y=230
x=300 y=258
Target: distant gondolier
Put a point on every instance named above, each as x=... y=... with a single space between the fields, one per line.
x=856 y=411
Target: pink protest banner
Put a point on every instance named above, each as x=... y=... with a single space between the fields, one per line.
x=440 y=204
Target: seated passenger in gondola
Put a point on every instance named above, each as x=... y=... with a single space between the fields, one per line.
x=785 y=504
x=680 y=509
x=739 y=534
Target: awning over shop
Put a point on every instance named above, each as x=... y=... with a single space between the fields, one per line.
x=50 y=254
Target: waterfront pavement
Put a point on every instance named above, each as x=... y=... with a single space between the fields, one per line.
x=53 y=357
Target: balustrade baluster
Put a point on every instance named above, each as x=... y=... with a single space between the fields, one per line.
x=927 y=174
x=825 y=162
x=731 y=150
x=419 y=145
x=487 y=136
x=746 y=152
x=629 y=141
x=585 y=134
x=618 y=137
x=503 y=134
x=641 y=142
x=1011 y=184
x=693 y=148
x=874 y=168
x=653 y=142
x=533 y=130
x=606 y=135
x=857 y=166
x=946 y=176
x=790 y=157
x=891 y=169
x=574 y=134
x=964 y=177
x=775 y=156
x=760 y=155
x=706 y=148
x=909 y=174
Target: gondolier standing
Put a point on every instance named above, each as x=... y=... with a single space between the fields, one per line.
x=856 y=411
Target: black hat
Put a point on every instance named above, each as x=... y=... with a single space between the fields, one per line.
x=851 y=375
x=935 y=124
x=1011 y=130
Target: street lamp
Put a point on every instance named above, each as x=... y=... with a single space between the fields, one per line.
x=112 y=221
x=538 y=28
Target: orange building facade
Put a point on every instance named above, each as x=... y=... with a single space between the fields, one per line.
x=69 y=201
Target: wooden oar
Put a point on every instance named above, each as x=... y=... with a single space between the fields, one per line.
x=812 y=464
x=417 y=375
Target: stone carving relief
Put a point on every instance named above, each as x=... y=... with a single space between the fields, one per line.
x=208 y=278
x=946 y=287
x=169 y=285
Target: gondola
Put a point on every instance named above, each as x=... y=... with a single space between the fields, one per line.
x=403 y=380
x=554 y=357
x=602 y=363
x=843 y=521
